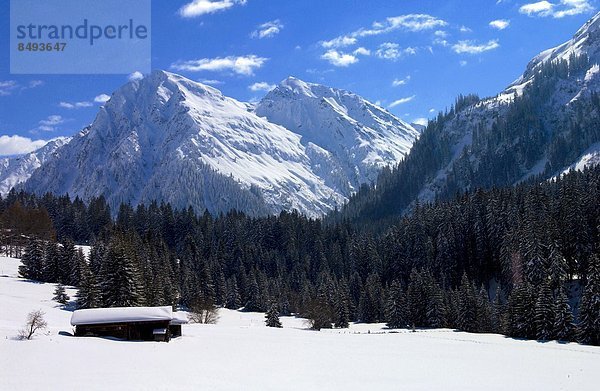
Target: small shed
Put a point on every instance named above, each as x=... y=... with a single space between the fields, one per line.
x=130 y=323
x=179 y=319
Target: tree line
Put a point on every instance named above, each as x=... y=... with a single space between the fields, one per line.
x=521 y=260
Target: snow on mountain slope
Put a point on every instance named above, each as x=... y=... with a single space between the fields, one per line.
x=240 y=352
x=585 y=41
x=18 y=169
x=590 y=158
x=361 y=137
x=557 y=106
x=168 y=138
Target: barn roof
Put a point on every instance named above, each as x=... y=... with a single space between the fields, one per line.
x=179 y=318
x=121 y=315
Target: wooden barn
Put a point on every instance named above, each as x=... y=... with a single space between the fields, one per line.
x=130 y=323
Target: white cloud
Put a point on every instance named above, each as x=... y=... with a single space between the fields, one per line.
x=401 y=101
x=500 y=24
x=35 y=83
x=242 y=65
x=463 y=63
x=211 y=82
x=400 y=82
x=137 y=75
x=102 y=98
x=75 y=105
x=557 y=10
x=17 y=145
x=573 y=7
x=465 y=29
x=339 y=42
x=339 y=59
x=319 y=72
x=441 y=34
x=202 y=7
x=441 y=42
x=267 y=30
x=261 y=86
x=471 y=47
x=392 y=51
x=420 y=121
x=362 y=52
x=432 y=110
x=50 y=124
x=541 y=8
x=7 y=87
x=410 y=22
x=53 y=120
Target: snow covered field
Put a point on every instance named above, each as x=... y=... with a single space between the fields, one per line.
x=240 y=353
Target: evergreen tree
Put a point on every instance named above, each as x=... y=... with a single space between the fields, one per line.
x=79 y=263
x=234 y=300
x=60 y=295
x=485 y=323
x=97 y=253
x=33 y=261
x=589 y=308
x=272 y=317
x=88 y=295
x=52 y=266
x=342 y=313
x=369 y=307
x=395 y=307
x=564 y=329
x=498 y=309
x=544 y=313
x=67 y=263
x=255 y=301
x=467 y=305
x=416 y=300
x=436 y=311
x=121 y=282
x=521 y=312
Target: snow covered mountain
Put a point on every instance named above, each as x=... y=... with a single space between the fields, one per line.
x=168 y=138
x=361 y=137
x=553 y=107
x=18 y=169
x=544 y=123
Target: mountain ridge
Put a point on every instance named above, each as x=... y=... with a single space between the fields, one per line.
x=541 y=124
x=17 y=169
x=167 y=132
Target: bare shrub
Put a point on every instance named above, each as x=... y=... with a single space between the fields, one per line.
x=319 y=315
x=203 y=311
x=35 y=323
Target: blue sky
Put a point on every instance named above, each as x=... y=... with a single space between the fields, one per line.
x=412 y=57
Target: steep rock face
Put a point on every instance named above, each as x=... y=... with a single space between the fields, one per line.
x=361 y=137
x=170 y=139
x=16 y=170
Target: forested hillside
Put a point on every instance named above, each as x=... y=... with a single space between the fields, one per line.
x=538 y=130
x=514 y=260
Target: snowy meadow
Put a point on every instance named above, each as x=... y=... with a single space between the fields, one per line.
x=240 y=352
